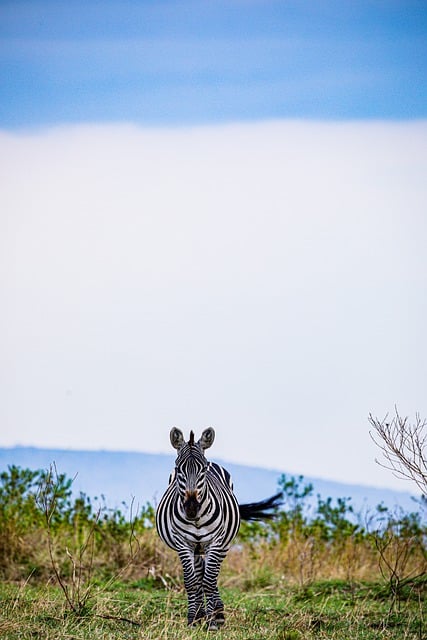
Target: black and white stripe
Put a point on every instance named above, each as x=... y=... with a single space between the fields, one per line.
x=199 y=516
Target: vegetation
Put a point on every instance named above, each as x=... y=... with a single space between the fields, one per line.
x=403 y=446
x=330 y=610
x=72 y=568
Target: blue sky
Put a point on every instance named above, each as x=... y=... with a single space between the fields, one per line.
x=214 y=214
x=204 y=62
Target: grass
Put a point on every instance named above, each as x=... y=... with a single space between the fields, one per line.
x=326 y=610
x=71 y=572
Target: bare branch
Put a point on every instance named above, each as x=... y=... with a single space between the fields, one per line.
x=403 y=446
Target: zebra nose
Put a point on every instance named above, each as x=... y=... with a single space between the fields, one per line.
x=191 y=505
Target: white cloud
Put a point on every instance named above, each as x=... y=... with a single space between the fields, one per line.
x=266 y=279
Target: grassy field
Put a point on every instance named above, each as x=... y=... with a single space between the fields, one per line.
x=70 y=570
x=331 y=609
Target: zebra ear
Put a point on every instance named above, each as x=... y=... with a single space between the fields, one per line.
x=208 y=436
x=177 y=439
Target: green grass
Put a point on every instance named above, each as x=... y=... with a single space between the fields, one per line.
x=330 y=610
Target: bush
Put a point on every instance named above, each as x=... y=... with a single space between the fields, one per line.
x=45 y=531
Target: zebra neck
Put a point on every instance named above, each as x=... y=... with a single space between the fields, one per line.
x=206 y=509
x=207 y=506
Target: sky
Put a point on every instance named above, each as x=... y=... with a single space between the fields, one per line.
x=214 y=214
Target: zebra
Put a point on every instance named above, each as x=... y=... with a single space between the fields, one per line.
x=199 y=516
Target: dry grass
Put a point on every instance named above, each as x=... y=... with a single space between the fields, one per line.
x=301 y=561
x=327 y=610
x=81 y=576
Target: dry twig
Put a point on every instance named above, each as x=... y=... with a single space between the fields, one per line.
x=404 y=447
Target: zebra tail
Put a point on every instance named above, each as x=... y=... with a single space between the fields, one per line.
x=263 y=510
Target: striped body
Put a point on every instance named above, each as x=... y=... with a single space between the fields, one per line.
x=198 y=517
x=218 y=520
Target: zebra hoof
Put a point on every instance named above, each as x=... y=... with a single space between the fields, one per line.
x=198 y=619
x=216 y=621
x=213 y=625
x=220 y=618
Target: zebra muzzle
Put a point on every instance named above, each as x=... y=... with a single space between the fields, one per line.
x=191 y=505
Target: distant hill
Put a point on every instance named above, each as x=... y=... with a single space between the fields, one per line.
x=120 y=476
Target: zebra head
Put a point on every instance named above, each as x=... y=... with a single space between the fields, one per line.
x=190 y=469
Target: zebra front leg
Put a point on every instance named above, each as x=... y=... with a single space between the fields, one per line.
x=193 y=586
x=199 y=567
x=214 y=605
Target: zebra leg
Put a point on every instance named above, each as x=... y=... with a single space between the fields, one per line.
x=199 y=567
x=193 y=586
x=214 y=605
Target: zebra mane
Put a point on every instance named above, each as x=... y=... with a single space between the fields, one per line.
x=191 y=440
